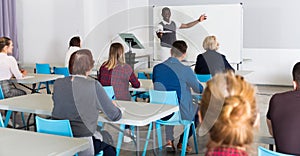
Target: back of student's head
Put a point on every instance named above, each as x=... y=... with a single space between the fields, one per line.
x=210 y=43
x=116 y=55
x=296 y=73
x=179 y=48
x=75 y=42
x=81 y=62
x=4 y=41
x=235 y=100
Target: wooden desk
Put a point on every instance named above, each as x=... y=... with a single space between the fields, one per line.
x=20 y=142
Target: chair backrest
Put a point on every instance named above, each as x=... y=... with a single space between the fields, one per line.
x=163 y=97
x=265 y=152
x=166 y=97
x=142 y=75
x=56 y=127
x=203 y=77
x=61 y=71
x=43 y=68
x=110 y=92
x=1 y=93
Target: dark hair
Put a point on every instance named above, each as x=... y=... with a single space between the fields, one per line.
x=4 y=41
x=178 y=48
x=81 y=62
x=296 y=73
x=75 y=41
x=165 y=9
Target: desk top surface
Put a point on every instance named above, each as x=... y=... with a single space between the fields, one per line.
x=135 y=113
x=35 y=78
x=141 y=113
x=20 y=142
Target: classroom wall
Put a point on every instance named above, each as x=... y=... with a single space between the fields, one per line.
x=45 y=28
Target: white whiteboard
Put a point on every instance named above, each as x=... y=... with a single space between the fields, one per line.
x=225 y=21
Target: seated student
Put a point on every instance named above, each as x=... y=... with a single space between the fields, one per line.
x=74 y=45
x=211 y=62
x=229 y=101
x=115 y=72
x=80 y=99
x=9 y=68
x=283 y=117
x=172 y=75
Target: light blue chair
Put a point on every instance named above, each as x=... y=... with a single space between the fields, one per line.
x=1 y=121
x=43 y=68
x=170 y=98
x=61 y=71
x=203 y=77
x=55 y=127
x=110 y=93
x=265 y=152
x=9 y=112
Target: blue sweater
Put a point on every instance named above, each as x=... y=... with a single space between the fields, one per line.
x=172 y=75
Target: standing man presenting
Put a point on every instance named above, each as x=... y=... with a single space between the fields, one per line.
x=166 y=31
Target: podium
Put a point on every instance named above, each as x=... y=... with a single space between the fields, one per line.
x=132 y=42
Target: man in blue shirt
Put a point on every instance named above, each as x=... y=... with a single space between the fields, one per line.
x=172 y=75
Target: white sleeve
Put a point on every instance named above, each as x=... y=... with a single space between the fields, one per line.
x=14 y=69
x=159 y=28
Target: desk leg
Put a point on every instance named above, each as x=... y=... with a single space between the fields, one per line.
x=33 y=88
x=47 y=87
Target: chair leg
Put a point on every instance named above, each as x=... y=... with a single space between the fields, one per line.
x=7 y=117
x=147 y=139
x=23 y=119
x=38 y=88
x=120 y=139
x=185 y=138
x=159 y=137
x=195 y=138
x=132 y=130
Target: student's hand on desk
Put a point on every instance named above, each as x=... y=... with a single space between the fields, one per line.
x=24 y=72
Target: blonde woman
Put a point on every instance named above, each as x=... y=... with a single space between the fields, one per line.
x=211 y=62
x=229 y=112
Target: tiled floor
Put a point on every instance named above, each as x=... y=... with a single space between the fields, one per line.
x=264 y=94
